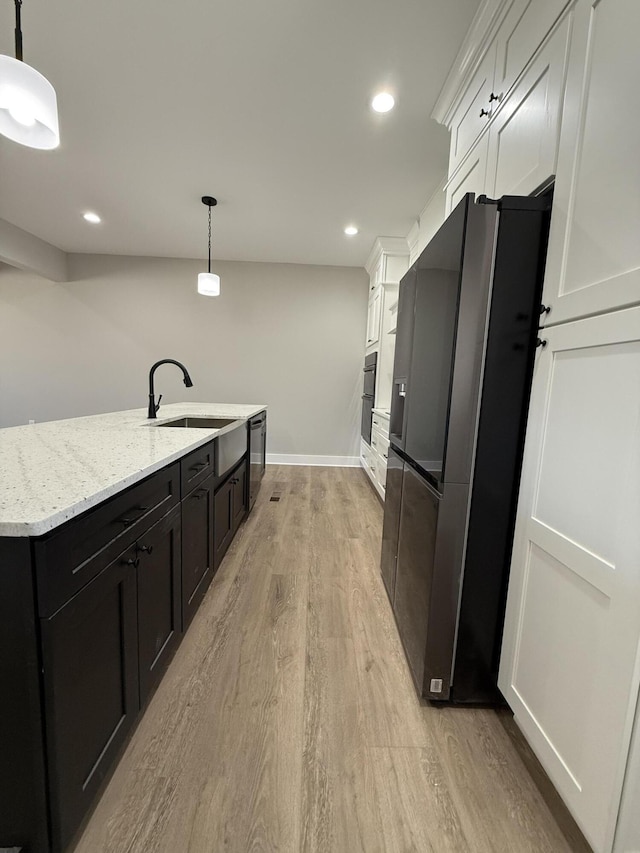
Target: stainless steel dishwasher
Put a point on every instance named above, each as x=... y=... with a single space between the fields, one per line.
x=257 y=453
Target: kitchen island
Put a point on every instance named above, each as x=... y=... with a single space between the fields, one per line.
x=111 y=529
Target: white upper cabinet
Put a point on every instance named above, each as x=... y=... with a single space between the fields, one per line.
x=373 y=318
x=523 y=29
x=474 y=112
x=593 y=263
x=471 y=177
x=387 y=263
x=519 y=28
x=523 y=138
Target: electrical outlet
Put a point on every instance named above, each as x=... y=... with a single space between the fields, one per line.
x=31 y=421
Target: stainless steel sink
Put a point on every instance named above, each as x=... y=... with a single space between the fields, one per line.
x=199 y=423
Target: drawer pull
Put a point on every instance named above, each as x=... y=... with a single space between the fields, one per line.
x=132 y=562
x=199 y=466
x=199 y=494
x=127 y=521
x=144 y=548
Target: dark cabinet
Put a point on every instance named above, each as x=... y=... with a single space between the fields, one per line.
x=196 y=467
x=240 y=486
x=197 y=547
x=159 y=599
x=90 y=664
x=223 y=523
x=230 y=509
x=112 y=592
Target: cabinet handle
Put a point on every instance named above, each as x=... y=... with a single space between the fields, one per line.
x=493 y=97
x=129 y=521
x=144 y=548
x=199 y=466
x=131 y=562
x=544 y=309
x=199 y=494
x=540 y=342
x=484 y=112
x=234 y=481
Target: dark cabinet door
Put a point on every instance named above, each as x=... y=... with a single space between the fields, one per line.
x=414 y=574
x=197 y=547
x=159 y=597
x=239 y=481
x=223 y=521
x=90 y=660
x=392 y=503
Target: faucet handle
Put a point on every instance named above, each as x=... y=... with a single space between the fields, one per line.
x=158 y=403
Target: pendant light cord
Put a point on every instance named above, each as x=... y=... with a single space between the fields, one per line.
x=209 y=238
x=18 y=30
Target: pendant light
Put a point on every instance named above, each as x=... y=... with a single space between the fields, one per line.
x=28 y=106
x=208 y=282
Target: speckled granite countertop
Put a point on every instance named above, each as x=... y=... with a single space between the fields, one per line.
x=54 y=471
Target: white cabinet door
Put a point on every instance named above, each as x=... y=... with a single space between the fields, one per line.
x=523 y=139
x=523 y=30
x=570 y=662
x=474 y=112
x=593 y=263
x=373 y=320
x=471 y=177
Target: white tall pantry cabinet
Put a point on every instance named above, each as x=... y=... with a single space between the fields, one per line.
x=387 y=263
x=544 y=88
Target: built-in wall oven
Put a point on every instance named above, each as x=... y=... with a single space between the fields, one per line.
x=368 y=395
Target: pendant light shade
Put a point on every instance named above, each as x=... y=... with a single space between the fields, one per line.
x=28 y=104
x=209 y=282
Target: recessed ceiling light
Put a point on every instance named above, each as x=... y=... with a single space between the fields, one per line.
x=351 y=230
x=92 y=217
x=383 y=102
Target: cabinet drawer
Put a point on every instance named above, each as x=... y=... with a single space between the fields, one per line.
x=196 y=467
x=380 y=425
x=380 y=444
x=78 y=551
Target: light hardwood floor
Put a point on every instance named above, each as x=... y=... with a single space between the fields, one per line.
x=288 y=721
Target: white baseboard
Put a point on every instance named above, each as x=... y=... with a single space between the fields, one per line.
x=297 y=459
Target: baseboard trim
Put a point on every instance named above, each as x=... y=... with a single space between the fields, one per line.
x=299 y=459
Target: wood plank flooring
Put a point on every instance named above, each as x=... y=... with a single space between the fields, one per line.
x=288 y=720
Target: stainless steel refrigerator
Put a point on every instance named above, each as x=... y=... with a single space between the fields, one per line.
x=468 y=317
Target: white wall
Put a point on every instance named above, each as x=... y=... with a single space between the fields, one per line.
x=286 y=335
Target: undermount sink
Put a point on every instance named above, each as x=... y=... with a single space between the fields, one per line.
x=199 y=423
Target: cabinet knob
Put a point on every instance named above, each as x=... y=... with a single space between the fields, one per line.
x=540 y=342
x=132 y=562
x=484 y=112
x=144 y=548
x=493 y=97
x=544 y=309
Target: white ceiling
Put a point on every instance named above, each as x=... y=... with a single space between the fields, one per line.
x=261 y=103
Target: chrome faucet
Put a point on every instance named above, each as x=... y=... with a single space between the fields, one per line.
x=153 y=406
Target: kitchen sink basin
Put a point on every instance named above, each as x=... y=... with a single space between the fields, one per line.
x=199 y=423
